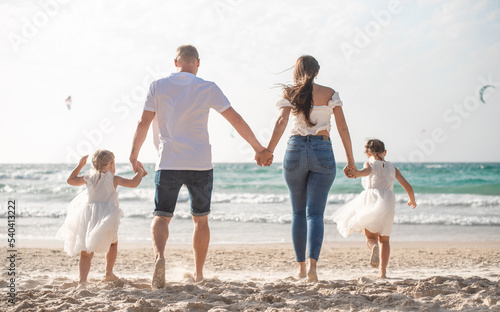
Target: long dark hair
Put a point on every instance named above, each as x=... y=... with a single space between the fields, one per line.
x=300 y=93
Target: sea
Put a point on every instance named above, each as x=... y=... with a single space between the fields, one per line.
x=251 y=205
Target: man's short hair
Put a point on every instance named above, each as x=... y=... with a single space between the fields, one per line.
x=187 y=53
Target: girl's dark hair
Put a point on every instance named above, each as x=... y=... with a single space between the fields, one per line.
x=300 y=93
x=374 y=147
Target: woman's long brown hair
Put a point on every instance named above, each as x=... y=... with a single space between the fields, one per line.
x=300 y=93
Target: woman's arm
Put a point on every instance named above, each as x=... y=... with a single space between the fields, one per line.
x=345 y=137
x=266 y=156
x=407 y=187
x=73 y=178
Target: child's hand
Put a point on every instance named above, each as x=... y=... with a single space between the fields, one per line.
x=412 y=204
x=83 y=161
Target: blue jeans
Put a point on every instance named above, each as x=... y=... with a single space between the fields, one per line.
x=309 y=169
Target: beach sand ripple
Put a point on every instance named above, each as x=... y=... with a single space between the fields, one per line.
x=253 y=278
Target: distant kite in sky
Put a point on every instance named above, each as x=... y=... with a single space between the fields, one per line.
x=481 y=92
x=68 y=102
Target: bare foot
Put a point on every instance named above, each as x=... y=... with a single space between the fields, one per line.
x=312 y=277
x=110 y=277
x=194 y=278
x=301 y=270
x=81 y=286
x=381 y=274
x=158 y=281
x=374 y=257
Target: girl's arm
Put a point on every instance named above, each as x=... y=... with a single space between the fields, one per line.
x=346 y=139
x=407 y=187
x=134 y=182
x=367 y=169
x=74 y=179
x=279 y=128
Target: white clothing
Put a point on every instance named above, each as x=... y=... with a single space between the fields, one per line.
x=374 y=208
x=320 y=115
x=93 y=217
x=182 y=104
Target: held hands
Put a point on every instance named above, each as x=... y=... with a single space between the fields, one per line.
x=264 y=158
x=137 y=166
x=83 y=161
x=350 y=171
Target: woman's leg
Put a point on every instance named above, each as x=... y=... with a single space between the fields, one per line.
x=318 y=187
x=385 y=252
x=84 y=266
x=110 y=262
x=319 y=182
x=295 y=172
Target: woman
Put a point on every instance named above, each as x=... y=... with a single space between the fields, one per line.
x=309 y=164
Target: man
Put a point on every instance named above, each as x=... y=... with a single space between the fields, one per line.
x=179 y=106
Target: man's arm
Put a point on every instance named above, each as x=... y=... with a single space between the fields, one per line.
x=242 y=128
x=140 y=136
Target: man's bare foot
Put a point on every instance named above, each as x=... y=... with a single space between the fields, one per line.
x=312 y=277
x=374 y=257
x=110 y=277
x=194 y=278
x=158 y=281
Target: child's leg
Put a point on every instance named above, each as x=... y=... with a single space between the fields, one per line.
x=84 y=265
x=110 y=262
x=372 y=244
x=385 y=251
x=371 y=239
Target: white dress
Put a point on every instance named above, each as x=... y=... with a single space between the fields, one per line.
x=374 y=208
x=93 y=217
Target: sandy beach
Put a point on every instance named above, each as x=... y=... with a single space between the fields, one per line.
x=422 y=277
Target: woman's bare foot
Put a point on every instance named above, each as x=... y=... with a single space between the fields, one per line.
x=194 y=278
x=109 y=277
x=301 y=270
x=374 y=257
x=312 y=276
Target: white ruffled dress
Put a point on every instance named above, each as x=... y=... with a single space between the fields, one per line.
x=375 y=207
x=93 y=216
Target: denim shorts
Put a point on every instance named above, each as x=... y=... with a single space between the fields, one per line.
x=168 y=184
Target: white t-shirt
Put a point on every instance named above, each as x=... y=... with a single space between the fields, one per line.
x=182 y=104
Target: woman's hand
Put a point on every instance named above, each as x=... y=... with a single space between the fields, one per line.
x=349 y=170
x=141 y=170
x=264 y=158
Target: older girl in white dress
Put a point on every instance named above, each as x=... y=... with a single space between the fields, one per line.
x=93 y=217
x=372 y=211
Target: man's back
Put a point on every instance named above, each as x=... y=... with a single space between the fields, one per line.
x=182 y=104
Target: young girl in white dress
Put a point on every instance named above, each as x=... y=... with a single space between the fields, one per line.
x=372 y=211
x=93 y=217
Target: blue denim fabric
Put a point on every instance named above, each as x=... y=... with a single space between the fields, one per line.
x=169 y=182
x=309 y=169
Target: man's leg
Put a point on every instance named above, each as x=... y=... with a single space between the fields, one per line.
x=159 y=236
x=201 y=240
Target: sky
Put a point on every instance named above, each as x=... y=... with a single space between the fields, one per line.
x=408 y=72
